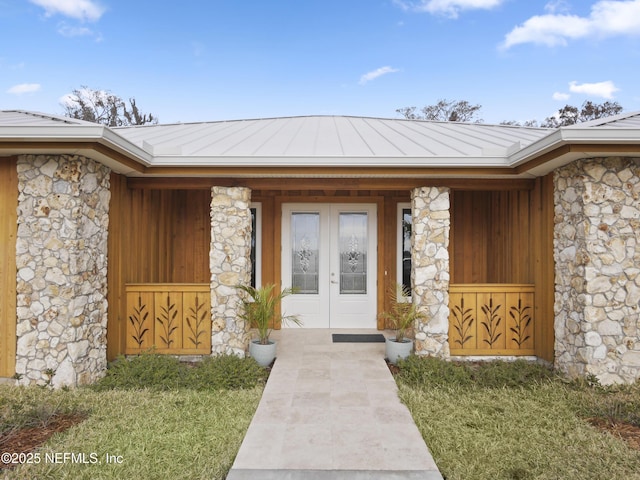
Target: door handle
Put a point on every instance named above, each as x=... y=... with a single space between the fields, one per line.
x=333 y=281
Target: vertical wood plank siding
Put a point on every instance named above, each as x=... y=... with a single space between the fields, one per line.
x=8 y=232
x=542 y=210
x=492 y=237
x=506 y=237
x=172 y=318
x=155 y=236
x=163 y=236
x=492 y=319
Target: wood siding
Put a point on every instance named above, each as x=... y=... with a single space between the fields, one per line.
x=541 y=254
x=492 y=319
x=170 y=318
x=491 y=237
x=155 y=236
x=160 y=234
x=506 y=237
x=8 y=232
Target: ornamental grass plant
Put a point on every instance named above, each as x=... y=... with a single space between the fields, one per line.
x=403 y=313
x=261 y=309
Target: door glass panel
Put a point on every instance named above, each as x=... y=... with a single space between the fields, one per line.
x=305 y=231
x=406 y=248
x=252 y=257
x=353 y=253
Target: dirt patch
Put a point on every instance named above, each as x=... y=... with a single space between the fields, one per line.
x=27 y=439
x=629 y=433
x=394 y=369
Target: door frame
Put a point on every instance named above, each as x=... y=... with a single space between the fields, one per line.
x=277 y=239
x=329 y=307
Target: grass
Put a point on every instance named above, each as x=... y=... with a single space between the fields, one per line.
x=34 y=407
x=163 y=372
x=516 y=421
x=160 y=431
x=492 y=421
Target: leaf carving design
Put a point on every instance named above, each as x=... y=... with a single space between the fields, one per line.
x=195 y=320
x=463 y=322
x=522 y=318
x=138 y=322
x=491 y=322
x=167 y=320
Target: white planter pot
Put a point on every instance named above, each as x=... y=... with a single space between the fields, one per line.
x=263 y=354
x=398 y=350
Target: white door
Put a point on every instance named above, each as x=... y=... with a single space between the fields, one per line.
x=329 y=255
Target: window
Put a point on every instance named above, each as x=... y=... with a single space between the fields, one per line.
x=256 y=244
x=305 y=266
x=404 y=246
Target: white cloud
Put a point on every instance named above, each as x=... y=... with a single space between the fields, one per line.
x=607 y=18
x=367 y=77
x=599 y=89
x=24 y=88
x=449 y=8
x=557 y=6
x=69 y=31
x=561 y=96
x=78 y=9
x=549 y=30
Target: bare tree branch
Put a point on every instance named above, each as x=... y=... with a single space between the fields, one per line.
x=102 y=106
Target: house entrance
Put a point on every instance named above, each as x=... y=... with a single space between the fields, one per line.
x=329 y=255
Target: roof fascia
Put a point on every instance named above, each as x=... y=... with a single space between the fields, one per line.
x=89 y=134
x=329 y=161
x=562 y=141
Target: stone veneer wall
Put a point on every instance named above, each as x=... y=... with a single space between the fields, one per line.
x=597 y=257
x=230 y=263
x=63 y=219
x=430 y=275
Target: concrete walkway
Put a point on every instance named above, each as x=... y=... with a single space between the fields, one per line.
x=331 y=410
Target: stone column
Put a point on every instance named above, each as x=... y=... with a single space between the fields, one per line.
x=430 y=275
x=61 y=248
x=597 y=257
x=230 y=263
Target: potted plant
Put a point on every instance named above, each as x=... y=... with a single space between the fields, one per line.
x=260 y=310
x=401 y=317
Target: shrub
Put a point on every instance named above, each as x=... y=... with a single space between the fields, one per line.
x=428 y=371
x=148 y=370
x=164 y=372
x=419 y=372
x=226 y=372
x=519 y=373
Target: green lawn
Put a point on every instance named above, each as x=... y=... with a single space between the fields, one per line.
x=518 y=425
x=182 y=434
x=157 y=432
x=500 y=421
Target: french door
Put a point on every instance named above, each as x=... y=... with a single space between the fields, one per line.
x=329 y=255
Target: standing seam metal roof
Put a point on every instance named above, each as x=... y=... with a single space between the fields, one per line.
x=320 y=140
x=329 y=136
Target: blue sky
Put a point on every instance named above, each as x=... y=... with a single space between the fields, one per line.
x=227 y=59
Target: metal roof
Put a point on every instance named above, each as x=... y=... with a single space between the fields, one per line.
x=330 y=137
x=323 y=141
x=624 y=120
x=36 y=119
